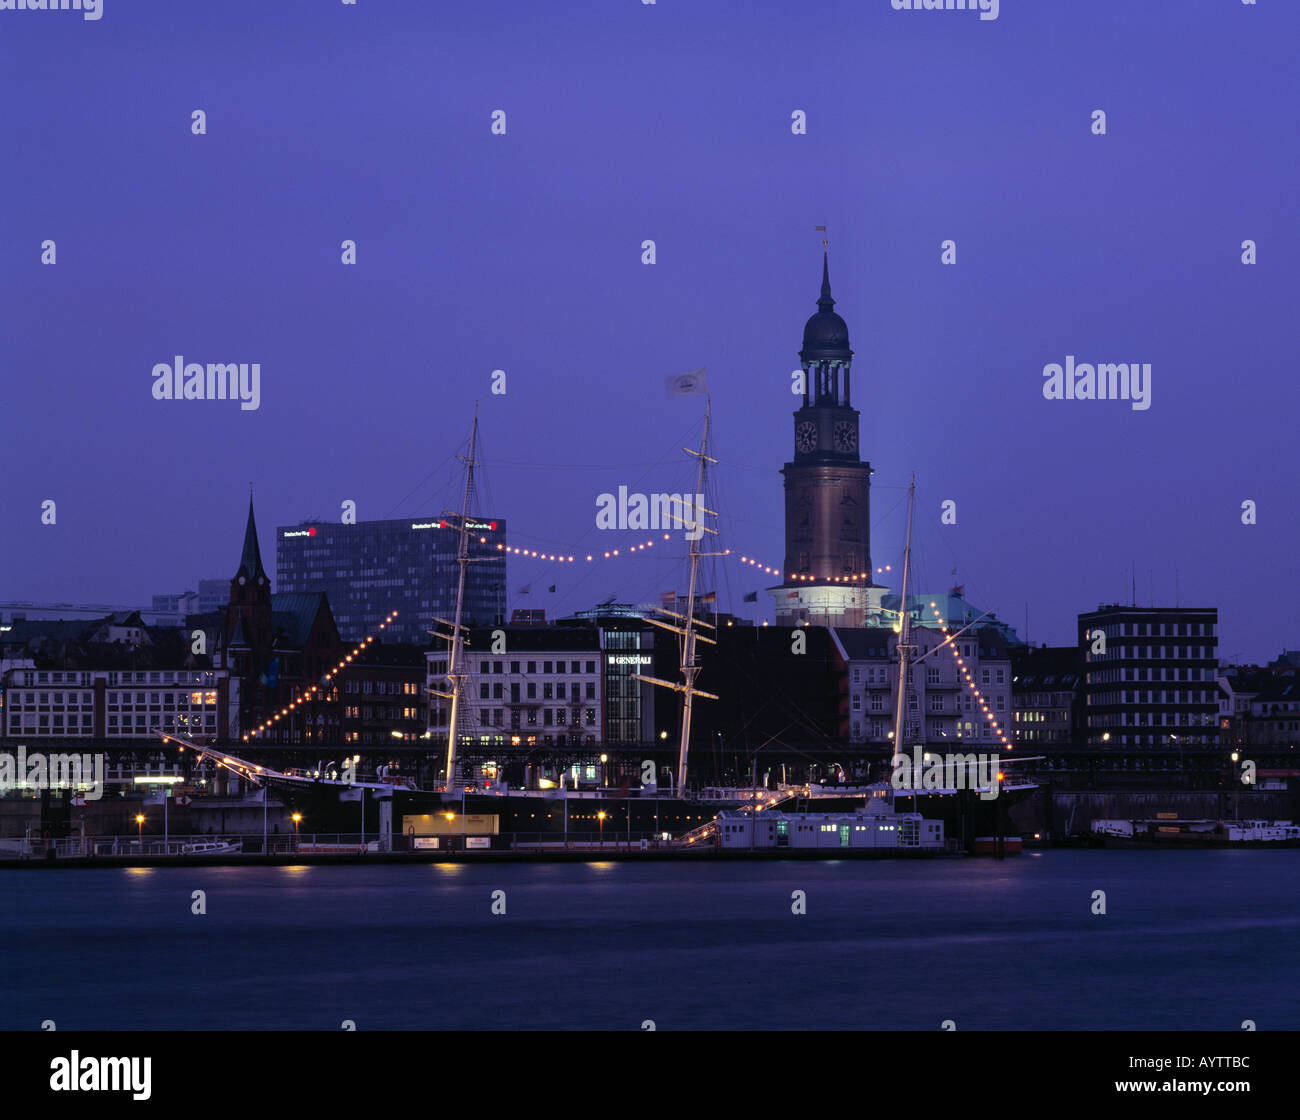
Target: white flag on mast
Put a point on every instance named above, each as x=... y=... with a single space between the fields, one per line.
x=687 y=384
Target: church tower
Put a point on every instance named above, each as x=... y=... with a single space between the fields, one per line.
x=246 y=636
x=827 y=487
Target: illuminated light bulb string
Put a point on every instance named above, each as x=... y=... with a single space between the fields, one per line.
x=961 y=665
x=624 y=553
x=311 y=694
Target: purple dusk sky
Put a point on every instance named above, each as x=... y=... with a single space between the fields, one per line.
x=672 y=122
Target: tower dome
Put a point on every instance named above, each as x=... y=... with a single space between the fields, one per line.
x=826 y=334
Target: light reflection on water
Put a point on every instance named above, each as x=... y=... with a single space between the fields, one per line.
x=606 y=945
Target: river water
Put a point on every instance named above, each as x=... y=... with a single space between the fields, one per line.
x=1189 y=941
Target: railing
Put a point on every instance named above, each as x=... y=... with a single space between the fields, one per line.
x=210 y=844
x=589 y=842
x=335 y=843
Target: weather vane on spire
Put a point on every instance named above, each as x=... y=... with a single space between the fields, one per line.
x=825 y=243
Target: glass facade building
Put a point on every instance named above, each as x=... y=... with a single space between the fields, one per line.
x=406 y=565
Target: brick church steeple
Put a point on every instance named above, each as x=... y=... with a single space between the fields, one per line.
x=827 y=486
x=247 y=633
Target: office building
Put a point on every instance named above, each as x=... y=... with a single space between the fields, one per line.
x=1150 y=676
x=406 y=565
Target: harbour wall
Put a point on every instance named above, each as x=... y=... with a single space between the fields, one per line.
x=1060 y=813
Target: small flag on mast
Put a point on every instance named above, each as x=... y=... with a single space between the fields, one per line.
x=686 y=384
x=752 y=597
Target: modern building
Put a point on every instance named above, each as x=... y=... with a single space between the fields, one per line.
x=1150 y=676
x=1044 y=695
x=214 y=594
x=372 y=568
x=174 y=609
x=827 y=574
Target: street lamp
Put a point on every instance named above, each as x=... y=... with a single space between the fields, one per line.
x=451 y=817
x=296 y=818
x=139 y=824
x=604 y=779
x=601 y=818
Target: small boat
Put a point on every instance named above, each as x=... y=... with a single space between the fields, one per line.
x=212 y=848
x=988 y=845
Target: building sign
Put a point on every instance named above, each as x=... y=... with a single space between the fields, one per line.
x=301 y=532
x=478 y=841
x=629 y=659
x=443 y=525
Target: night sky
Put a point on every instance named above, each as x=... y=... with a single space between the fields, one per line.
x=522 y=252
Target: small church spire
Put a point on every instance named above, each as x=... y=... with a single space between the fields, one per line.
x=825 y=302
x=250 y=560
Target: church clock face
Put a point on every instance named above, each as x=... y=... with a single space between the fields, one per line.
x=805 y=436
x=846 y=439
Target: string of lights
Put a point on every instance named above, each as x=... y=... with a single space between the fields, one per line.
x=631 y=550
x=970 y=682
x=310 y=695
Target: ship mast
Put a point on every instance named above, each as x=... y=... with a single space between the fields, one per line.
x=455 y=674
x=690 y=667
x=904 y=630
